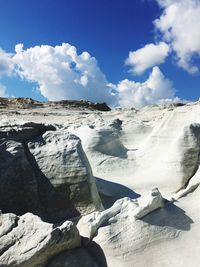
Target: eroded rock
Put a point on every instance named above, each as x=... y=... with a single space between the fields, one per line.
x=28 y=241
x=23 y=132
x=60 y=157
x=45 y=172
x=137 y=208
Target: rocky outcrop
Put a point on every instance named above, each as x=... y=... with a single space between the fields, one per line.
x=131 y=231
x=78 y=104
x=61 y=159
x=45 y=172
x=28 y=241
x=138 y=208
x=190 y=146
x=24 y=132
x=19 y=102
x=23 y=103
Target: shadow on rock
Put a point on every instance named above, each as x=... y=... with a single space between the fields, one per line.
x=55 y=203
x=110 y=192
x=74 y=258
x=171 y=216
x=95 y=252
x=24 y=187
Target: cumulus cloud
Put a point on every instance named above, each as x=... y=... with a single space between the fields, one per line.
x=179 y=26
x=62 y=73
x=178 y=31
x=6 y=64
x=156 y=89
x=147 y=57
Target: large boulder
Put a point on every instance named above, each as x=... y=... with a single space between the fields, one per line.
x=61 y=159
x=28 y=241
x=45 y=172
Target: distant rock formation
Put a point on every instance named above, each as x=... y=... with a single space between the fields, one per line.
x=23 y=103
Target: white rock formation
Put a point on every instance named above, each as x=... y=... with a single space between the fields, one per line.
x=60 y=157
x=132 y=151
x=137 y=208
x=27 y=241
x=46 y=173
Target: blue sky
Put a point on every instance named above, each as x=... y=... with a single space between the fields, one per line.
x=108 y=31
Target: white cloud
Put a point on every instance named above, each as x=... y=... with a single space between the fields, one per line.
x=179 y=26
x=6 y=64
x=156 y=89
x=148 y=56
x=63 y=74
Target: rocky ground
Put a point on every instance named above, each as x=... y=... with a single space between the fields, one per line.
x=83 y=185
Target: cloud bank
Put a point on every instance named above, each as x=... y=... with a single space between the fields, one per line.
x=155 y=90
x=148 y=56
x=62 y=73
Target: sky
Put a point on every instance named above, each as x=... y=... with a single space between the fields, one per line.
x=128 y=53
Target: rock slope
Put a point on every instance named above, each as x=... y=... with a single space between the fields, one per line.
x=130 y=152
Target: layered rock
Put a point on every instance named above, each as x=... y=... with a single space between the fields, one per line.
x=61 y=159
x=130 y=151
x=23 y=103
x=28 y=241
x=133 y=232
x=138 y=208
x=46 y=173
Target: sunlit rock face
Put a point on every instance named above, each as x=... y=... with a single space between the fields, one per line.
x=45 y=171
x=152 y=147
x=146 y=167
x=28 y=241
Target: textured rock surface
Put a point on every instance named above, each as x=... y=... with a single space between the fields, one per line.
x=60 y=157
x=137 y=208
x=28 y=241
x=24 y=132
x=46 y=173
x=132 y=151
x=134 y=231
x=24 y=103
